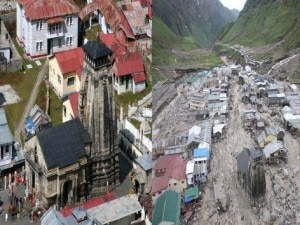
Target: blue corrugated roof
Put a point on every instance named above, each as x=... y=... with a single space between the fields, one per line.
x=201 y=152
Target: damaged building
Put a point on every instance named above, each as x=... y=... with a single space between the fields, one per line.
x=275 y=151
x=250 y=118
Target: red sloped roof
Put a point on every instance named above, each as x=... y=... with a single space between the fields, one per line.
x=150 y=9
x=113 y=43
x=73 y=98
x=71 y=60
x=139 y=77
x=124 y=25
x=55 y=20
x=108 y=39
x=90 y=203
x=112 y=14
x=174 y=166
x=159 y=183
x=129 y=63
x=42 y=9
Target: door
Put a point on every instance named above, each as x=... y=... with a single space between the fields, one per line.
x=67 y=196
x=50 y=46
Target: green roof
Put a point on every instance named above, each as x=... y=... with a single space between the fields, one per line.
x=191 y=193
x=167 y=208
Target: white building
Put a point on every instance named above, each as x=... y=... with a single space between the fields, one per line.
x=190 y=169
x=6 y=141
x=47 y=26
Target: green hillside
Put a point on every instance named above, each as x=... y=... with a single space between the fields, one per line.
x=266 y=22
x=164 y=40
x=201 y=19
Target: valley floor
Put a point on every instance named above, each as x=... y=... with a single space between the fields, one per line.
x=282 y=200
x=281 y=205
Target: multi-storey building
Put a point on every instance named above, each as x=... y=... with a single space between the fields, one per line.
x=47 y=26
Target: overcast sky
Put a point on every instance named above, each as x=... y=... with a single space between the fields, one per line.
x=236 y=4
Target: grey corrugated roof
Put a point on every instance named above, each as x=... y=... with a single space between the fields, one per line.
x=5 y=134
x=63 y=145
x=261 y=137
x=272 y=147
x=271 y=131
x=145 y=161
x=212 y=97
x=53 y=217
x=206 y=132
x=96 y=49
x=193 y=138
x=110 y=212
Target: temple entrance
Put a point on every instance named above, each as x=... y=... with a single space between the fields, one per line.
x=67 y=195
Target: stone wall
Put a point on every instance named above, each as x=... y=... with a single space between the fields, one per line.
x=15 y=63
x=10 y=17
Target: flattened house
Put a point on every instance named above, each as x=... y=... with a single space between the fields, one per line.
x=266 y=136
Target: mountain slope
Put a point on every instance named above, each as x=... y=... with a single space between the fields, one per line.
x=264 y=22
x=201 y=19
x=165 y=40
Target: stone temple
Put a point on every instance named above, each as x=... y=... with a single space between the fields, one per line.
x=98 y=115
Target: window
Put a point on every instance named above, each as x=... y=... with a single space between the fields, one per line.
x=59 y=42
x=71 y=81
x=69 y=40
x=69 y=20
x=55 y=28
x=65 y=111
x=58 y=79
x=39 y=46
x=39 y=25
x=122 y=80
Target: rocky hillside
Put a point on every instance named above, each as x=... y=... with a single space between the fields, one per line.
x=264 y=22
x=201 y=19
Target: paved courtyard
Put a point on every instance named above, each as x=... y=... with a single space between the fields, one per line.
x=24 y=220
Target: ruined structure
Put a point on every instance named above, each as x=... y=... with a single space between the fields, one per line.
x=251 y=173
x=97 y=113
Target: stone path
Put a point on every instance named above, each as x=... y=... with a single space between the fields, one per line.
x=31 y=101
